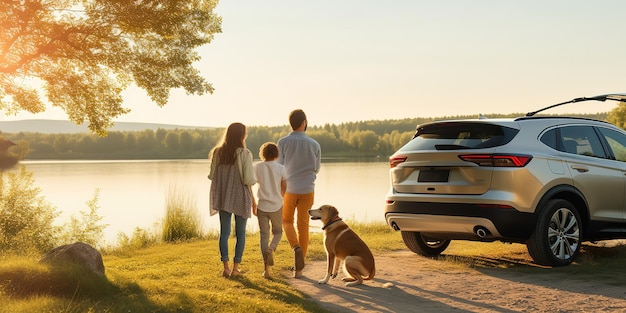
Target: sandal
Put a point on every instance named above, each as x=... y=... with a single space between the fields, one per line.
x=235 y=273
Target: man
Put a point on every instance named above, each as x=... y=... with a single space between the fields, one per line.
x=301 y=155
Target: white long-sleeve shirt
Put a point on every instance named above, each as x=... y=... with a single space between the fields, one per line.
x=302 y=156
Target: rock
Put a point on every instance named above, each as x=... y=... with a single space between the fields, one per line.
x=78 y=253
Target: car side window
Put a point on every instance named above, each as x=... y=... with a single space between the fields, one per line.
x=616 y=141
x=549 y=139
x=581 y=140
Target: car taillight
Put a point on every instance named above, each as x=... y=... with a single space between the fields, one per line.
x=497 y=160
x=394 y=161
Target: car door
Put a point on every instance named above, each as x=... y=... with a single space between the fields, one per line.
x=616 y=141
x=595 y=174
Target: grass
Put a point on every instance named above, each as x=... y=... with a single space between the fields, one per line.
x=186 y=276
x=182 y=221
x=180 y=277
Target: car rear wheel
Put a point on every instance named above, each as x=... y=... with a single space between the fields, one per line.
x=423 y=245
x=556 y=239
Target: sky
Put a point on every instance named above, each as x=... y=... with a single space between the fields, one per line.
x=357 y=60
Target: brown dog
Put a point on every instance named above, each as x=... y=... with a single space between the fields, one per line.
x=343 y=244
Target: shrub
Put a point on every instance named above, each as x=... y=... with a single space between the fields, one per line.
x=86 y=228
x=25 y=217
x=181 y=220
x=140 y=238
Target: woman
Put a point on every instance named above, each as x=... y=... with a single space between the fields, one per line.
x=232 y=176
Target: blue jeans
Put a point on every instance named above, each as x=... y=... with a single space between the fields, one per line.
x=240 y=233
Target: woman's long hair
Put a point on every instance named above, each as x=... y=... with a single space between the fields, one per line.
x=234 y=138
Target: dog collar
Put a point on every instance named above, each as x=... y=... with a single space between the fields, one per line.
x=336 y=219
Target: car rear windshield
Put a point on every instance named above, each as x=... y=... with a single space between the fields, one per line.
x=459 y=135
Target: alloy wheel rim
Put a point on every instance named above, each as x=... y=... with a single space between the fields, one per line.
x=563 y=234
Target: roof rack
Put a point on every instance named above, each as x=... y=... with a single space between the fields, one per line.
x=613 y=96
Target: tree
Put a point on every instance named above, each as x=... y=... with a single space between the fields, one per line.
x=185 y=140
x=171 y=141
x=130 y=141
x=83 y=53
x=145 y=140
x=617 y=116
x=160 y=135
x=7 y=159
x=366 y=140
x=86 y=145
x=114 y=141
x=62 y=144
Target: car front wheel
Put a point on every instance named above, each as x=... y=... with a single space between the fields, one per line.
x=557 y=235
x=423 y=245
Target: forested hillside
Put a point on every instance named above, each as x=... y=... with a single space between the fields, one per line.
x=366 y=139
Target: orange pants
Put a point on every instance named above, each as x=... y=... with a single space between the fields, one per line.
x=300 y=204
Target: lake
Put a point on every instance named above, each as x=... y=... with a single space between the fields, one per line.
x=134 y=193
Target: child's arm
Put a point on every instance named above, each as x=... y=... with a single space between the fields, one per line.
x=254 y=204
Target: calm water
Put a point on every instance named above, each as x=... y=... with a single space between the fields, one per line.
x=133 y=193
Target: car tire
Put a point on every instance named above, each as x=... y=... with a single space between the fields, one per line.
x=423 y=245
x=557 y=235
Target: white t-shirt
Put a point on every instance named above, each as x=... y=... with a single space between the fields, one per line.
x=269 y=175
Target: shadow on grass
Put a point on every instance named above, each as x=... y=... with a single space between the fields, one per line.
x=285 y=295
x=82 y=290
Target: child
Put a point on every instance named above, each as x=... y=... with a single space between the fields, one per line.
x=271 y=177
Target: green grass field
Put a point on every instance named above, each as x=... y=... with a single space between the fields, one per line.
x=181 y=277
x=186 y=277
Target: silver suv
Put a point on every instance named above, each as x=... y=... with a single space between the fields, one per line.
x=550 y=182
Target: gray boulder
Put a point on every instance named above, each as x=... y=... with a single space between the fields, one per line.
x=78 y=253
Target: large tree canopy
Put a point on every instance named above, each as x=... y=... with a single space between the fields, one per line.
x=80 y=55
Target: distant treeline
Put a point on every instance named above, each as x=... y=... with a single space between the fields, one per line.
x=367 y=139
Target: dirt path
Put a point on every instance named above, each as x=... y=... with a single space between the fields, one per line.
x=420 y=285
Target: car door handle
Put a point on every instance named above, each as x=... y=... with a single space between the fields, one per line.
x=581 y=169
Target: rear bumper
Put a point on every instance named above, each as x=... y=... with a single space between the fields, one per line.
x=460 y=226
x=460 y=220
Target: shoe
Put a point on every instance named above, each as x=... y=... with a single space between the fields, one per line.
x=270 y=257
x=226 y=273
x=299 y=259
x=297 y=274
